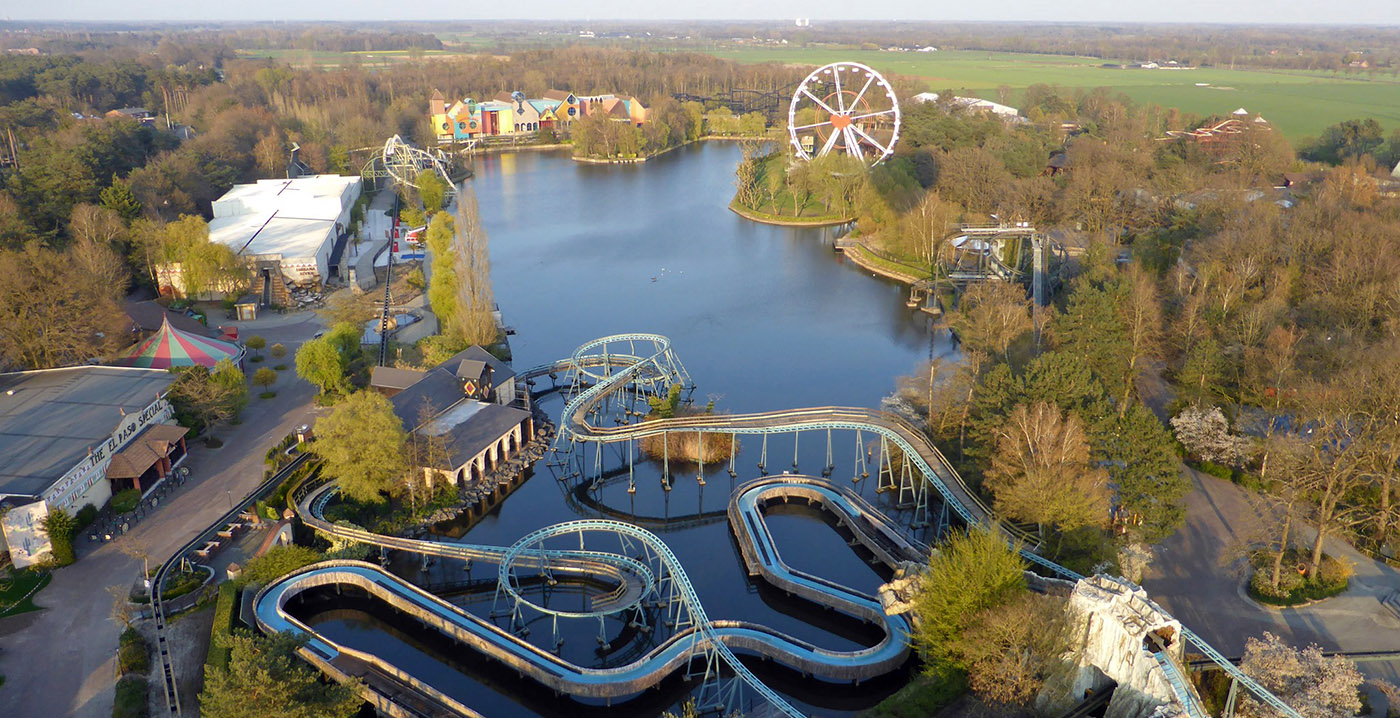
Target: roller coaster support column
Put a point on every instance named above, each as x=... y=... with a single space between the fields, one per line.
x=796 y=439
x=830 y=465
x=1038 y=249
x=733 y=450
x=665 y=461
x=700 y=454
x=763 y=456
x=631 y=479
x=1230 y=699
x=861 y=471
x=884 y=480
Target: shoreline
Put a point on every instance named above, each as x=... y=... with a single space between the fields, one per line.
x=861 y=256
x=762 y=218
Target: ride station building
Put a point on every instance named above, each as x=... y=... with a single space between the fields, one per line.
x=72 y=437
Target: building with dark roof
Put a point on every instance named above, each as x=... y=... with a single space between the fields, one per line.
x=464 y=406
x=148 y=316
x=63 y=430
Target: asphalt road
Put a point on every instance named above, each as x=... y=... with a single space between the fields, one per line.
x=1198 y=577
x=61 y=661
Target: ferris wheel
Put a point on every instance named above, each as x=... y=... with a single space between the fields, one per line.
x=844 y=107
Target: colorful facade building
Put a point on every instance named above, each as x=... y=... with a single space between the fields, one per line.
x=511 y=114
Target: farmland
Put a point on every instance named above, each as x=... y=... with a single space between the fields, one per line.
x=1299 y=103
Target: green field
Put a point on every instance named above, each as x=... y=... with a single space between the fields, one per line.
x=1300 y=104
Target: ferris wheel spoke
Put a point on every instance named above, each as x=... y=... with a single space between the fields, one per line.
x=852 y=144
x=883 y=150
x=856 y=102
x=819 y=101
x=890 y=111
x=843 y=131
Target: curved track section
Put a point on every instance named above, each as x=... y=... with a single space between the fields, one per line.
x=614 y=373
x=639 y=372
x=703 y=637
x=628 y=574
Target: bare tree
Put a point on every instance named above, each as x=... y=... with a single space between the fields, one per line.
x=991 y=316
x=474 y=320
x=1142 y=324
x=1042 y=472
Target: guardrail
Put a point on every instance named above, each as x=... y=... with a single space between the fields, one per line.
x=158 y=604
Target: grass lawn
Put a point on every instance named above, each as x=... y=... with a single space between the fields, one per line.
x=782 y=203
x=890 y=264
x=1299 y=103
x=15 y=586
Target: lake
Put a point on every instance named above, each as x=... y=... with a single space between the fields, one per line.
x=763 y=317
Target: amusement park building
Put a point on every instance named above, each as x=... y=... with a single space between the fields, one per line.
x=74 y=436
x=294 y=225
x=512 y=114
x=465 y=403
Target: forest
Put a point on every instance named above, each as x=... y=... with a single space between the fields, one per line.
x=1232 y=304
x=70 y=176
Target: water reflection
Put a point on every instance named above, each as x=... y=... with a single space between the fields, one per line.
x=763 y=317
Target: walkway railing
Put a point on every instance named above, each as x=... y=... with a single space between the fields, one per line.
x=932 y=465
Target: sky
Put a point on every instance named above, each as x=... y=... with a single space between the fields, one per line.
x=1367 y=12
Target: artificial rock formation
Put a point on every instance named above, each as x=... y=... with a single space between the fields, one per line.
x=1119 y=628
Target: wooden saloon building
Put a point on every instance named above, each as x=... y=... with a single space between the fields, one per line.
x=465 y=406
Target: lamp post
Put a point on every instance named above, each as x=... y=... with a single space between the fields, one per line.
x=229 y=494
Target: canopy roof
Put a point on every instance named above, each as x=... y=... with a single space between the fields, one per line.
x=171 y=347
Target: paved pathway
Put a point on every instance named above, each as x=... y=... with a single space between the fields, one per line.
x=1198 y=576
x=61 y=661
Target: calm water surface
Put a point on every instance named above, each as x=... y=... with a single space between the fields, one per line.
x=763 y=318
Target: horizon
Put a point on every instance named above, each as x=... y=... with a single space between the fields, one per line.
x=1369 y=13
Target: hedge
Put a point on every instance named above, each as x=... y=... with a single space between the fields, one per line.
x=223 y=626
x=131 y=698
x=133 y=654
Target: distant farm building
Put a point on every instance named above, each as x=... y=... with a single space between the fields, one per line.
x=973 y=104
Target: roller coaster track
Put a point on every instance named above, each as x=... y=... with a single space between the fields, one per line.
x=311 y=500
x=622 y=370
x=620 y=373
x=702 y=638
x=598 y=374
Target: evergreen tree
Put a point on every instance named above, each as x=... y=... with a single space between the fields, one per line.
x=266 y=677
x=118 y=198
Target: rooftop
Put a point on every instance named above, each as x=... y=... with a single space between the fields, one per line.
x=500 y=371
x=50 y=418
x=470 y=426
x=394 y=378
x=271 y=233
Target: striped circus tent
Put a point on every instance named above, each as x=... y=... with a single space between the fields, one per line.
x=170 y=347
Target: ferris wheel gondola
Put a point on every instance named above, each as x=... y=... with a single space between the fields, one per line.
x=828 y=114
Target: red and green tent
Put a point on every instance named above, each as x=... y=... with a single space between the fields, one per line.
x=171 y=347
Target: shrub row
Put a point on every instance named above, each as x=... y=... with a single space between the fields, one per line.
x=133 y=653
x=223 y=626
x=131 y=701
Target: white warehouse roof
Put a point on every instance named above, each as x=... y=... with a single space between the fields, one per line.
x=297 y=220
x=314 y=197
x=272 y=233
